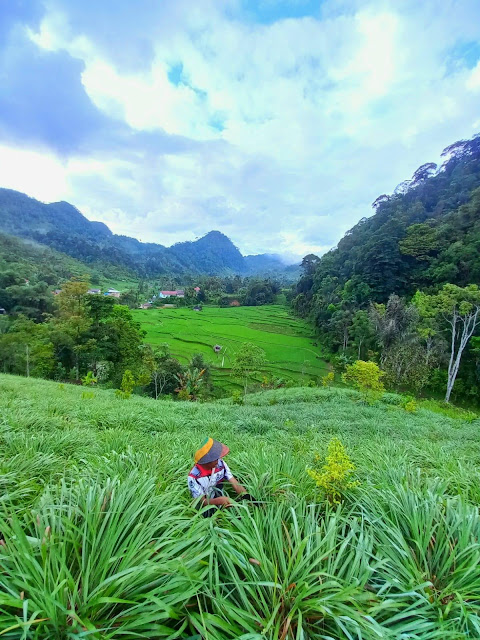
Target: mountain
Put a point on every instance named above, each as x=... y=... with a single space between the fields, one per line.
x=64 y=228
x=22 y=260
x=425 y=234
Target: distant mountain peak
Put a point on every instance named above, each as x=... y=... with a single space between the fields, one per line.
x=62 y=226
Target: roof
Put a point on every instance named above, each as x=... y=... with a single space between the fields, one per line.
x=169 y=293
x=113 y=291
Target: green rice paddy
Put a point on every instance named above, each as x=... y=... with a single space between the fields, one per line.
x=287 y=341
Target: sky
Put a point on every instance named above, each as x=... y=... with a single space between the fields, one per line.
x=277 y=122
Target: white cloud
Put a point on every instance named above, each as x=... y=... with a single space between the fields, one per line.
x=40 y=174
x=314 y=118
x=473 y=80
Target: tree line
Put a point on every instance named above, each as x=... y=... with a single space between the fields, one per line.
x=87 y=339
x=215 y=290
x=401 y=287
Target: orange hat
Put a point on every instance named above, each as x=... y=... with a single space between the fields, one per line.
x=210 y=450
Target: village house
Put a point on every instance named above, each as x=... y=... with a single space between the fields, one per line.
x=94 y=292
x=146 y=305
x=2 y=311
x=178 y=293
x=112 y=293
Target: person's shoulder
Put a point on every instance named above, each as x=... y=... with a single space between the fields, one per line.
x=195 y=472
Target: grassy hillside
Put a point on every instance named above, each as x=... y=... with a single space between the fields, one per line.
x=287 y=341
x=28 y=259
x=102 y=541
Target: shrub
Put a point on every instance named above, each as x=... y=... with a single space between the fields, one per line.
x=410 y=406
x=126 y=388
x=60 y=372
x=237 y=397
x=334 y=476
x=328 y=380
x=89 y=380
x=182 y=394
x=366 y=377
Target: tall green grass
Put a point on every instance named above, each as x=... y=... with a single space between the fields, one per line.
x=102 y=541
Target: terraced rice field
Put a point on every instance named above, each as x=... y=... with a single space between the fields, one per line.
x=288 y=343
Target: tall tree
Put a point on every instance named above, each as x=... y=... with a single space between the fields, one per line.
x=247 y=361
x=459 y=309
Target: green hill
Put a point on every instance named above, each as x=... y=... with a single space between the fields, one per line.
x=425 y=234
x=63 y=227
x=27 y=260
x=101 y=540
x=423 y=237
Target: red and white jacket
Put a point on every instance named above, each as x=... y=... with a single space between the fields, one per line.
x=201 y=482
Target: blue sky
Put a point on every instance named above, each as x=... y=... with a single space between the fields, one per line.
x=277 y=122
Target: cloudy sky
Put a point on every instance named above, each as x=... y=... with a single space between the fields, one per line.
x=277 y=122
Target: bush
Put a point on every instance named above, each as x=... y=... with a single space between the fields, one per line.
x=328 y=380
x=237 y=397
x=183 y=394
x=89 y=380
x=334 y=476
x=366 y=377
x=126 y=388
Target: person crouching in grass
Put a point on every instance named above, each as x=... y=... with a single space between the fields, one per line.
x=206 y=479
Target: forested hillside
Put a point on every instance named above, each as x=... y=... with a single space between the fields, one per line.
x=61 y=226
x=423 y=237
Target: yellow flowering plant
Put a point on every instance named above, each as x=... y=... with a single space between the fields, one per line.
x=334 y=476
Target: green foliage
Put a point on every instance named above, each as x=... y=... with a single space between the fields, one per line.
x=237 y=398
x=260 y=292
x=190 y=383
x=89 y=380
x=328 y=379
x=63 y=228
x=334 y=478
x=127 y=385
x=91 y=496
x=86 y=333
x=459 y=309
x=182 y=394
x=410 y=406
x=366 y=377
x=447 y=409
x=420 y=242
x=248 y=360
x=422 y=237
